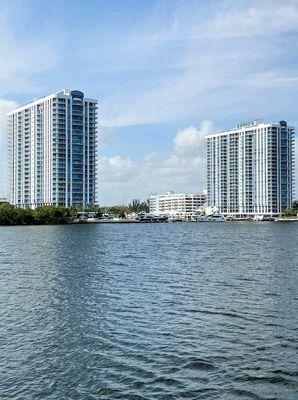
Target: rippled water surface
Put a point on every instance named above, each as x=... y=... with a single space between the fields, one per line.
x=153 y=311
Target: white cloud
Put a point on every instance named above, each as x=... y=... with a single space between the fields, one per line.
x=190 y=141
x=255 y=19
x=215 y=63
x=23 y=58
x=116 y=169
x=121 y=179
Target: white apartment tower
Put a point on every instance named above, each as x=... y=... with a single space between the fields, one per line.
x=250 y=169
x=52 y=151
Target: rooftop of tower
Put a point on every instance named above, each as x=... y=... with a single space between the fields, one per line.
x=65 y=92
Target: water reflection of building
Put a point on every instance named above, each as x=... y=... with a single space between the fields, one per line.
x=250 y=169
x=52 y=146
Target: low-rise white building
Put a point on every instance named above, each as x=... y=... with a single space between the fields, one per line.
x=177 y=205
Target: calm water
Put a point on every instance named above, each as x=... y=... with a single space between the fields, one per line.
x=165 y=311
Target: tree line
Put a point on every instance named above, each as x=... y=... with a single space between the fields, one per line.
x=11 y=215
x=291 y=212
x=136 y=206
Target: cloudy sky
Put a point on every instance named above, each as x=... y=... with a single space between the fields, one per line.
x=165 y=74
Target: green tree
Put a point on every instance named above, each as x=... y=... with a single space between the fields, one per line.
x=295 y=205
x=73 y=210
x=98 y=214
x=7 y=214
x=288 y=212
x=24 y=216
x=11 y=215
x=52 y=215
x=92 y=207
x=138 y=206
x=122 y=214
x=118 y=211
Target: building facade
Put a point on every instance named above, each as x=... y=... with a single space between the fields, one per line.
x=250 y=169
x=52 y=151
x=175 y=205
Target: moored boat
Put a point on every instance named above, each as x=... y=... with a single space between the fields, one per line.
x=211 y=218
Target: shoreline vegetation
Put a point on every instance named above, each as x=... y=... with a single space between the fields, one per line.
x=56 y=215
x=11 y=215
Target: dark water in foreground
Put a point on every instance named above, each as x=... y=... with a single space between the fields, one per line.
x=166 y=311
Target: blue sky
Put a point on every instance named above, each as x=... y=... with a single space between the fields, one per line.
x=165 y=74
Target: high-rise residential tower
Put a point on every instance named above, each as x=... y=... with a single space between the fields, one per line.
x=52 y=151
x=250 y=169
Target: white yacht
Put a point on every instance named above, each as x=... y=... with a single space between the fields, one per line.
x=211 y=218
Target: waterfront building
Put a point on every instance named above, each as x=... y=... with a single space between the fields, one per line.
x=52 y=151
x=250 y=169
x=175 y=205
